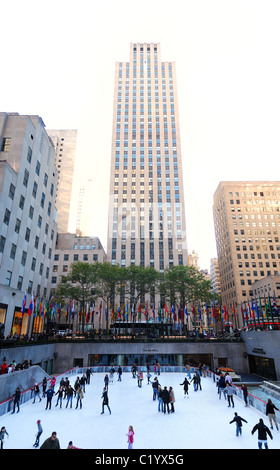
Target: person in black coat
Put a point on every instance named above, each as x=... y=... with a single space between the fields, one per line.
x=105 y=400
x=16 y=399
x=270 y=413
x=166 y=400
x=49 y=395
x=238 y=420
x=262 y=433
x=186 y=384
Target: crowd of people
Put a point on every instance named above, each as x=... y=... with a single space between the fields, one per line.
x=13 y=366
x=163 y=395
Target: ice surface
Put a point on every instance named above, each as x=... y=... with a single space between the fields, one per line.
x=199 y=422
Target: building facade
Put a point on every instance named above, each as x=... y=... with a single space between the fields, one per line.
x=146 y=209
x=65 y=142
x=247 y=227
x=28 y=180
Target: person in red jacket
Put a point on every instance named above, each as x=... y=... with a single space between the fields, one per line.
x=4 y=368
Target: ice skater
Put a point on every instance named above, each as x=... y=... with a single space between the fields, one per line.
x=105 y=401
x=230 y=390
x=130 y=437
x=186 y=384
x=3 y=433
x=270 y=413
x=263 y=431
x=238 y=420
x=39 y=432
x=172 y=399
x=36 y=392
x=49 y=395
x=80 y=396
x=245 y=394
x=60 y=395
x=166 y=400
x=16 y=400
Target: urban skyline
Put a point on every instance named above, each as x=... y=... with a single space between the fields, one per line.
x=227 y=80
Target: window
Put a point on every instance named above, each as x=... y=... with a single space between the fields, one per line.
x=38 y=166
x=7 y=215
x=8 y=278
x=23 y=258
x=2 y=243
x=21 y=202
x=6 y=143
x=29 y=154
x=12 y=191
x=13 y=251
x=25 y=178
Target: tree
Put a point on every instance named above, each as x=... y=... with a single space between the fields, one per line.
x=78 y=284
x=108 y=284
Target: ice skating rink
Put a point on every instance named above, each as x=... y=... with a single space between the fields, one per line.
x=199 y=422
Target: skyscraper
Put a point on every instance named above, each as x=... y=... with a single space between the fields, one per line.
x=65 y=147
x=146 y=209
x=247 y=224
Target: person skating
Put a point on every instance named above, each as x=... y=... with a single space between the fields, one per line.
x=166 y=400
x=186 y=384
x=3 y=433
x=270 y=413
x=51 y=442
x=155 y=385
x=16 y=399
x=105 y=401
x=119 y=374
x=263 y=431
x=221 y=384
x=70 y=393
x=39 y=432
x=80 y=396
x=245 y=393
x=49 y=395
x=238 y=420
x=130 y=437
x=60 y=395
x=36 y=392
x=229 y=390
x=172 y=399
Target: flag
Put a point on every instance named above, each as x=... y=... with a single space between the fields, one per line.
x=186 y=311
x=87 y=313
x=257 y=309
x=31 y=305
x=139 y=310
x=275 y=308
x=23 y=304
x=199 y=311
x=225 y=313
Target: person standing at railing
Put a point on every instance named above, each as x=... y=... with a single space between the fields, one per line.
x=270 y=413
x=16 y=399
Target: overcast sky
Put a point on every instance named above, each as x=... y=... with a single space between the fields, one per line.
x=58 y=61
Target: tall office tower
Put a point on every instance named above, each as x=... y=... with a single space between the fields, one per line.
x=28 y=180
x=215 y=276
x=146 y=209
x=65 y=142
x=247 y=228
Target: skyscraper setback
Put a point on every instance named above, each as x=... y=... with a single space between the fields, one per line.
x=146 y=210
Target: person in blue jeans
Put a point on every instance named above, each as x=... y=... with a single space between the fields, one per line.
x=238 y=420
x=160 y=400
x=155 y=385
x=70 y=393
x=262 y=434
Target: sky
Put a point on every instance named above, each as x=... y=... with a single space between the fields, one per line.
x=58 y=61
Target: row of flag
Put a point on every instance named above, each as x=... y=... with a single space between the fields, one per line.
x=254 y=310
x=50 y=309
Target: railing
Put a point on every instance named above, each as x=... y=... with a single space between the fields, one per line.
x=7 y=405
